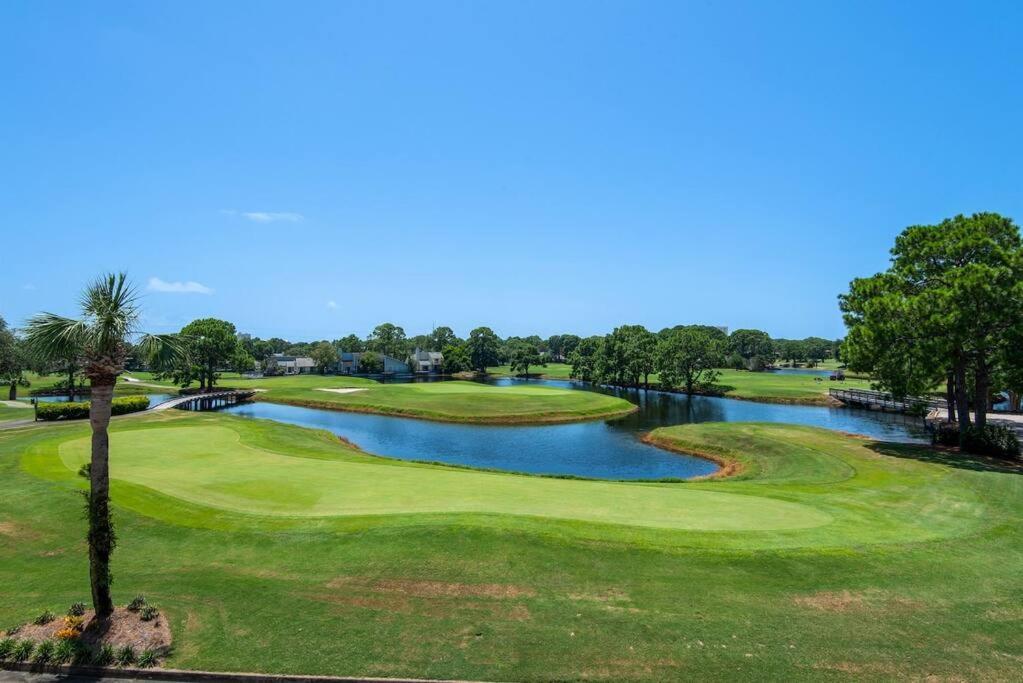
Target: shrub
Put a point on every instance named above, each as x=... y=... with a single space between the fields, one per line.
x=146 y=659
x=104 y=655
x=125 y=655
x=65 y=651
x=6 y=647
x=79 y=410
x=72 y=628
x=76 y=610
x=149 y=613
x=45 y=618
x=22 y=652
x=992 y=440
x=44 y=652
x=85 y=470
x=137 y=603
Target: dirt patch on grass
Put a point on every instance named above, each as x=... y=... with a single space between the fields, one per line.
x=123 y=628
x=17 y=531
x=438 y=599
x=862 y=601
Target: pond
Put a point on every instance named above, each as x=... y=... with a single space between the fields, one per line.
x=601 y=450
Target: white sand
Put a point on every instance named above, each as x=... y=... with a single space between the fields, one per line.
x=341 y=391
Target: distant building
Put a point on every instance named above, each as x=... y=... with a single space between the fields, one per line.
x=349 y=364
x=280 y=364
x=426 y=361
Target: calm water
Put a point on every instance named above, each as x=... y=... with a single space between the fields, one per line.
x=604 y=450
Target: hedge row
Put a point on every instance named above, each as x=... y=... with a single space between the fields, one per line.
x=79 y=410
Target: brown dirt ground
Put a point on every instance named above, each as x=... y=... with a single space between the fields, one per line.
x=124 y=628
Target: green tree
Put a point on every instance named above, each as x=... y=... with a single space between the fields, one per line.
x=626 y=355
x=483 y=347
x=388 y=339
x=943 y=310
x=524 y=355
x=241 y=361
x=211 y=344
x=13 y=361
x=370 y=363
x=686 y=358
x=754 y=347
x=349 y=344
x=109 y=318
x=456 y=358
x=584 y=358
x=324 y=355
x=441 y=338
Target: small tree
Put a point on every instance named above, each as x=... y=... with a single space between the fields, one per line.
x=456 y=358
x=324 y=355
x=523 y=355
x=482 y=346
x=13 y=361
x=370 y=363
x=109 y=319
x=211 y=344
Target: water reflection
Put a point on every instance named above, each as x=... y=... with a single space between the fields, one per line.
x=606 y=450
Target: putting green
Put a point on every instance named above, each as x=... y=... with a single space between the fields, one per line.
x=210 y=466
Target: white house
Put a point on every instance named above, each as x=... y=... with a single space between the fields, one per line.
x=426 y=361
x=280 y=364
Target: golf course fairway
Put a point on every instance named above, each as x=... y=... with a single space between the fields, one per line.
x=281 y=549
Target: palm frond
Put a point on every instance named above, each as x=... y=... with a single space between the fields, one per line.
x=51 y=337
x=161 y=350
x=110 y=308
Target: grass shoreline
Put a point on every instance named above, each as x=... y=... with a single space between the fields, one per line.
x=451 y=419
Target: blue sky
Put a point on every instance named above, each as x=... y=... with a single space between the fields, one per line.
x=307 y=170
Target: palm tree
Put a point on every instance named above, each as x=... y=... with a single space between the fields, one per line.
x=99 y=340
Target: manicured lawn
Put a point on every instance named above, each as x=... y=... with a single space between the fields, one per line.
x=8 y=413
x=552 y=371
x=447 y=401
x=782 y=387
x=274 y=548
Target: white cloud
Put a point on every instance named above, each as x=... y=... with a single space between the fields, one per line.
x=331 y=305
x=266 y=216
x=158 y=285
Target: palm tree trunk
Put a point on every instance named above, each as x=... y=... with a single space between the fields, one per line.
x=71 y=384
x=12 y=393
x=101 y=528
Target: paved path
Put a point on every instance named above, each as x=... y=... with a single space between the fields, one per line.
x=16 y=404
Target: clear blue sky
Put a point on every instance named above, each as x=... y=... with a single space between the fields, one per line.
x=317 y=168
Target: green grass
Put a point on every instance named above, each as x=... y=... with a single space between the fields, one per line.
x=445 y=401
x=551 y=371
x=274 y=548
x=8 y=414
x=781 y=387
x=450 y=401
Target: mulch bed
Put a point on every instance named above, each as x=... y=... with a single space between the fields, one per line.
x=124 y=627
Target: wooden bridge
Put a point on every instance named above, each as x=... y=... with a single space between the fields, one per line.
x=885 y=402
x=206 y=401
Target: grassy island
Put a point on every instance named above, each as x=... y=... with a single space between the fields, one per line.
x=387 y=568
